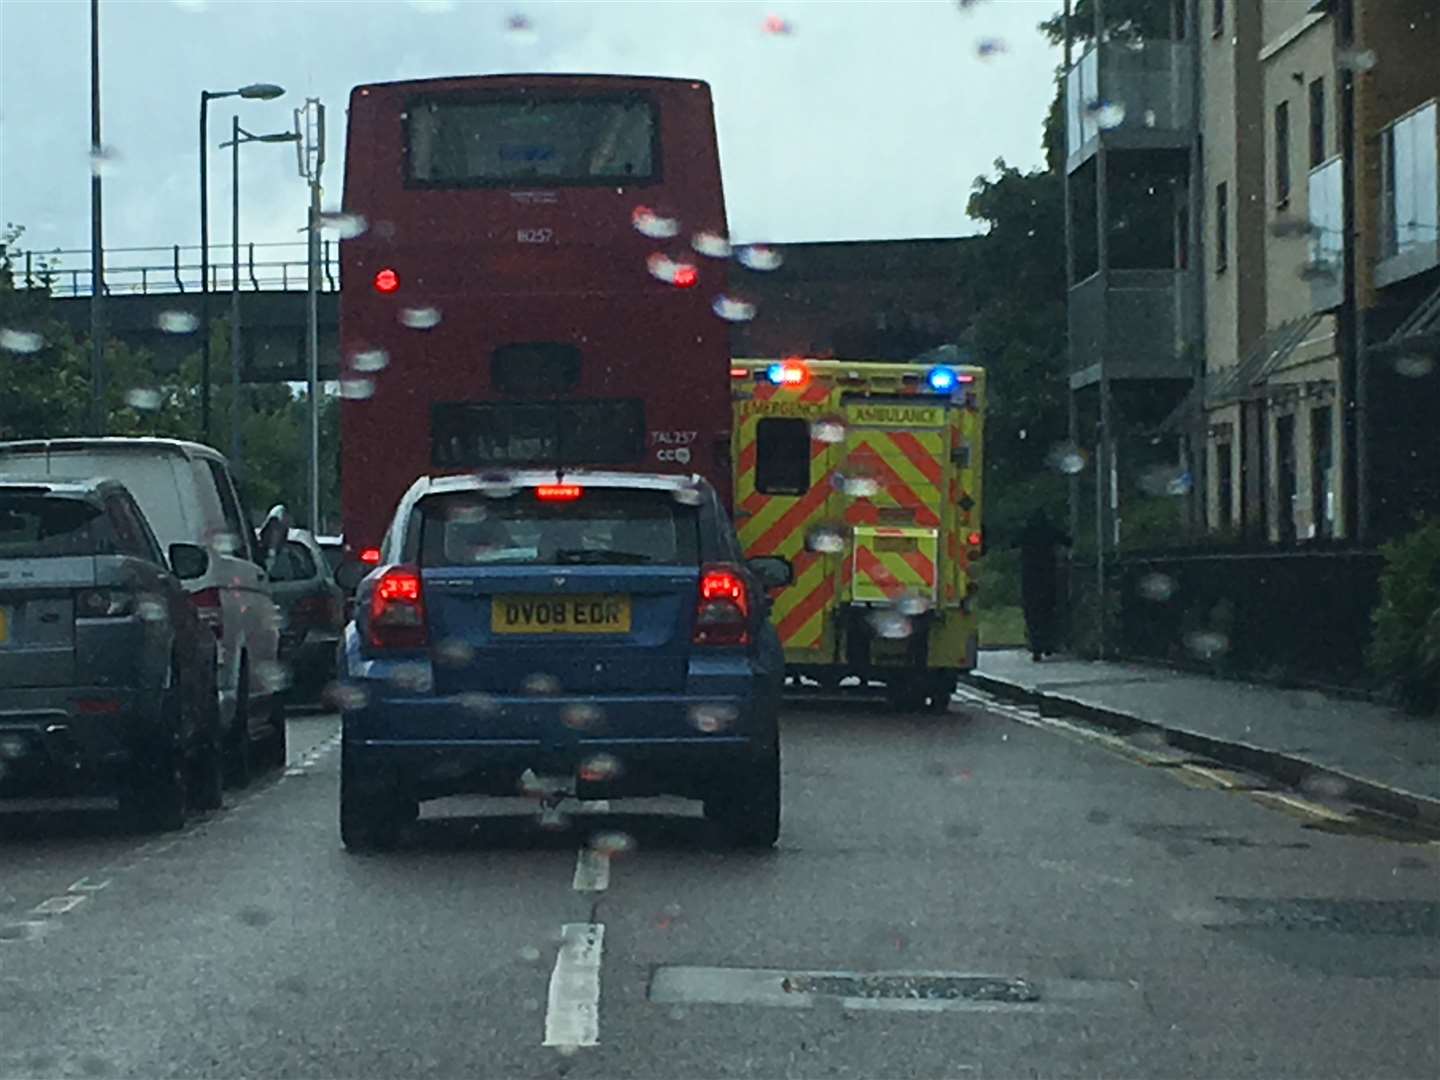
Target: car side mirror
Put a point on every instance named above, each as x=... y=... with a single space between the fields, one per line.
x=773 y=571
x=350 y=573
x=189 y=561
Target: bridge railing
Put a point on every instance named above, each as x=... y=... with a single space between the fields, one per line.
x=174 y=269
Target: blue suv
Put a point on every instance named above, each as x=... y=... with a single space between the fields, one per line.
x=593 y=634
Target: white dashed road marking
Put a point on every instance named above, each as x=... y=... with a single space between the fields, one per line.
x=572 y=1016
x=592 y=870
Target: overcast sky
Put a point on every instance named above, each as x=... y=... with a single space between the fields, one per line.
x=865 y=120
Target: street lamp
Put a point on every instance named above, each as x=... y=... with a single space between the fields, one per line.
x=238 y=137
x=252 y=92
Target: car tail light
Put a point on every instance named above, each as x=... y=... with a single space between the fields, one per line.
x=104 y=603
x=370 y=556
x=975 y=541
x=207 y=605
x=722 y=612
x=397 y=610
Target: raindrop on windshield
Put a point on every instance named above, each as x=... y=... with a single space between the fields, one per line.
x=414 y=677
x=540 y=683
x=529 y=954
x=1325 y=787
x=688 y=494
x=711 y=718
x=913 y=604
x=273 y=675
x=370 y=361
x=759 y=257
x=860 y=487
x=1207 y=644
x=1067 y=458
x=777 y=26
x=1106 y=114
x=357 y=389
x=600 y=768
x=20 y=341
x=177 y=322
x=1288 y=225
x=1163 y=480
x=1157 y=586
x=1414 y=365
x=985 y=48
x=345 y=226
x=828 y=429
x=648 y=223
x=520 y=30
x=1361 y=60
x=421 y=318
x=733 y=309
x=711 y=244
x=680 y=274
x=454 y=653
x=612 y=843
x=144 y=398
x=582 y=716
x=1318 y=270
x=346 y=696
x=479 y=704
x=103 y=160
x=891 y=625
x=151 y=608
x=496 y=485
x=826 y=540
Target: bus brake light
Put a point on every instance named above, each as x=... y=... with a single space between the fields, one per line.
x=386 y=280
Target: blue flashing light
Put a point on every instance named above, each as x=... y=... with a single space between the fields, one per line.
x=941 y=379
x=775 y=373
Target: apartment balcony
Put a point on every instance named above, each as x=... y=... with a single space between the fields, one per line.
x=1132 y=325
x=1137 y=96
x=1326 y=269
x=1409 y=196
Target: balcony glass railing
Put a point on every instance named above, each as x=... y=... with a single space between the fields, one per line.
x=1128 y=85
x=1410 y=195
x=1327 y=217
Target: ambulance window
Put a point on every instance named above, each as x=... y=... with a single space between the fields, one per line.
x=782 y=456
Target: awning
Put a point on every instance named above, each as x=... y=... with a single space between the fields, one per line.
x=1420 y=332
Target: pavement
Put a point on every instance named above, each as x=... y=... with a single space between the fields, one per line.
x=988 y=893
x=1378 y=755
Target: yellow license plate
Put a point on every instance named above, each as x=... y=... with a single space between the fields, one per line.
x=4 y=625
x=590 y=614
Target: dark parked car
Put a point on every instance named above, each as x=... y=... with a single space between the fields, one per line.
x=600 y=636
x=107 y=674
x=312 y=609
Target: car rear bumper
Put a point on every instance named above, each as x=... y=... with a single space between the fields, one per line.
x=73 y=741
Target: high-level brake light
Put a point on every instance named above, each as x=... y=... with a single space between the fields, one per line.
x=788 y=373
x=386 y=280
x=558 y=492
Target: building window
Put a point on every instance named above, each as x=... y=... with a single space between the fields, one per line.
x=1317 y=122
x=1217 y=18
x=1322 y=471
x=1282 y=154
x=1225 y=487
x=782 y=456
x=1285 y=476
x=1222 y=227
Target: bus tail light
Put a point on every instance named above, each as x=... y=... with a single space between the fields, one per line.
x=722 y=612
x=386 y=280
x=397 y=610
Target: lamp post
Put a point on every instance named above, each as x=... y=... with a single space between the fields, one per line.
x=252 y=92
x=238 y=137
x=97 y=239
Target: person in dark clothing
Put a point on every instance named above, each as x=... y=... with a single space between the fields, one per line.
x=1039 y=591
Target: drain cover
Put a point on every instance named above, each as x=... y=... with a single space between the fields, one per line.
x=914 y=987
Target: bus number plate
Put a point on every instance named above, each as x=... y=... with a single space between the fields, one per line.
x=535 y=236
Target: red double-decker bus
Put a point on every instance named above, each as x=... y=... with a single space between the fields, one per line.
x=534 y=284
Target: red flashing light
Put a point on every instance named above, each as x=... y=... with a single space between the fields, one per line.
x=973 y=539
x=794 y=373
x=558 y=492
x=386 y=280
x=686 y=276
x=963 y=377
x=397 y=611
x=738 y=373
x=370 y=556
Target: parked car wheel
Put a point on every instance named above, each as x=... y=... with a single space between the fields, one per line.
x=749 y=809
x=207 y=761
x=277 y=745
x=239 y=751
x=156 y=798
x=371 y=817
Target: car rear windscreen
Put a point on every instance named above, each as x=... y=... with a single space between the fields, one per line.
x=155 y=479
x=604 y=526
x=500 y=141
x=35 y=526
x=573 y=433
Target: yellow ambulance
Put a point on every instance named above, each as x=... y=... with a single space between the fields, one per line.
x=867 y=477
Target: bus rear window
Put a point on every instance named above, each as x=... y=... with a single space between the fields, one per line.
x=499 y=141
x=595 y=432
